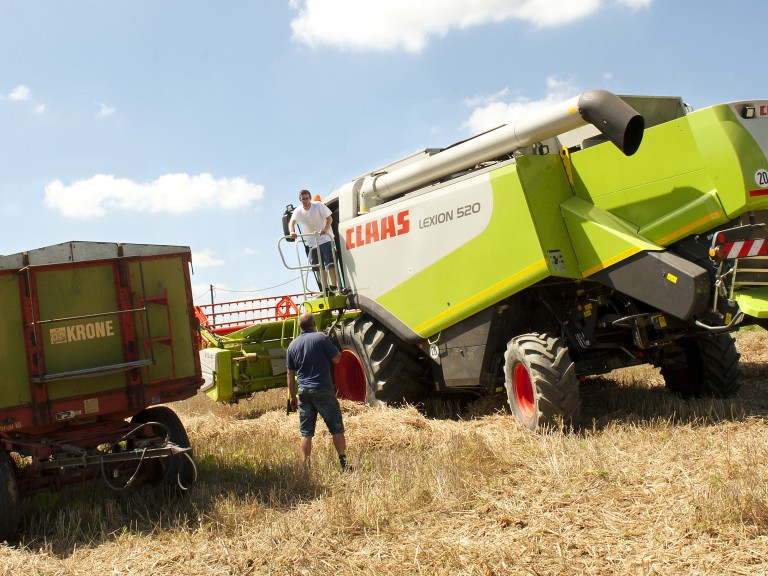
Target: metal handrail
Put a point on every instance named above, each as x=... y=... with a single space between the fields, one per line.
x=305 y=268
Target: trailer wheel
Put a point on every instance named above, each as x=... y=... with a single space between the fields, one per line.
x=542 y=388
x=10 y=505
x=177 y=472
x=375 y=366
x=712 y=368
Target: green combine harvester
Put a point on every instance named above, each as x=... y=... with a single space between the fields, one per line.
x=604 y=233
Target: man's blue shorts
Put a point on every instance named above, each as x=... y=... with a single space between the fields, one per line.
x=325 y=253
x=323 y=401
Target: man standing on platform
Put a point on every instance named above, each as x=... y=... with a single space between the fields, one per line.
x=315 y=217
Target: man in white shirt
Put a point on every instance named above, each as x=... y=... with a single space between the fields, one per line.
x=315 y=217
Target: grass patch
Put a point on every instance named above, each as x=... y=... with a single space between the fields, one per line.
x=648 y=483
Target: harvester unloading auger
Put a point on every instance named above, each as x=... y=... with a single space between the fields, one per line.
x=538 y=253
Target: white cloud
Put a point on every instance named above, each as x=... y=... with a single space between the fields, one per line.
x=19 y=94
x=170 y=194
x=636 y=4
x=105 y=110
x=251 y=252
x=408 y=25
x=485 y=99
x=493 y=111
x=545 y=13
x=22 y=93
x=206 y=259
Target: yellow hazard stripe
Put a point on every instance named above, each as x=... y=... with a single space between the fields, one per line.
x=611 y=261
x=685 y=230
x=672 y=236
x=427 y=327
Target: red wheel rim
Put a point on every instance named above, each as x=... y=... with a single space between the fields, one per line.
x=349 y=377
x=524 y=392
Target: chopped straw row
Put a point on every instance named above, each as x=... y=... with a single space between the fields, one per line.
x=647 y=484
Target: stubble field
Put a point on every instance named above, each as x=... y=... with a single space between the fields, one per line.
x=648 y=484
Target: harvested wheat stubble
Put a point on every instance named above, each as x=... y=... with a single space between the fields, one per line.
x=648 y=484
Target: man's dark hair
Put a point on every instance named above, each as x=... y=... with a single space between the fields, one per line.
x=306 y=322
x=307 y=192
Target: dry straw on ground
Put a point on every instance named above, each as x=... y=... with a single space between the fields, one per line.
x=649 y=484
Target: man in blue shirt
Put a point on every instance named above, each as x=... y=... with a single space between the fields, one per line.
x=310 y=357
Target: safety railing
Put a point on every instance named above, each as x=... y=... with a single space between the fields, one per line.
x=226 y=317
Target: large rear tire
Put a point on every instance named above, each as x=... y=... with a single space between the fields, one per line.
x=712 y=368
x=10 y=502
x=177 y=472
x=542 y=388
x=376 y=368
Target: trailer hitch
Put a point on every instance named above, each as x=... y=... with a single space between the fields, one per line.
x=87 y=458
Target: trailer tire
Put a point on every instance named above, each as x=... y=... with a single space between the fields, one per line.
x=10 y=505
x=712 y=368
x=376 y=368
x=177 y=472
x=542 y=388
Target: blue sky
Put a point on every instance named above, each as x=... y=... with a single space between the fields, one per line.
x=194 y=123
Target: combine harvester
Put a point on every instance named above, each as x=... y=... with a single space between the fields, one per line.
x=604 y=233
x=93 y=336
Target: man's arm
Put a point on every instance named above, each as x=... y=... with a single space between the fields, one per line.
x=294 y=401
x=331 y=352
x=328 y=222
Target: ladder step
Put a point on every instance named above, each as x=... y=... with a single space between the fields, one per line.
x=156 y=299
x=97 y=371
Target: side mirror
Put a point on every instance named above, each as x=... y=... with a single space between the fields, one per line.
x=287 y=218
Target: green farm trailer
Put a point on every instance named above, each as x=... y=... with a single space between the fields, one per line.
x=94 y=337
